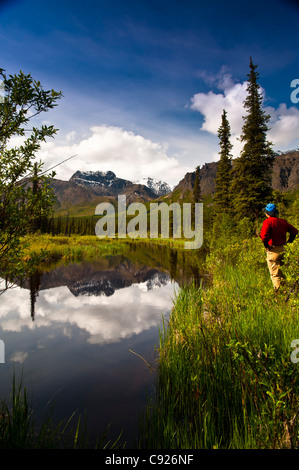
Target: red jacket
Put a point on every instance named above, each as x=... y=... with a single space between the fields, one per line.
x=274 y=231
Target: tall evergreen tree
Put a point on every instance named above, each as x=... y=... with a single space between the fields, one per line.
x=196 y=188
x=224 y=167
x=196 y=195
x=251 y=185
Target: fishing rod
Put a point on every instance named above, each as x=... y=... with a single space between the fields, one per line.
x=60 y=163
x=23 y=180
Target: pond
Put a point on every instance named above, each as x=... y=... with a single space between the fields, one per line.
x=84 y=334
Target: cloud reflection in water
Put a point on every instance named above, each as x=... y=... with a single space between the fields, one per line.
x=128 y=311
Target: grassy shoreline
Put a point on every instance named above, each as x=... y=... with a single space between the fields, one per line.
x=63 y=247
x=225 y=377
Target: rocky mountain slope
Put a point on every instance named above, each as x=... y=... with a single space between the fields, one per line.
x=107 y=183
x=84 y=188
x=285 y=176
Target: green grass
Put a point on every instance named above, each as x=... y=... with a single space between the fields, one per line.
x=51 y=249
x=225 y=378
x=75 y=247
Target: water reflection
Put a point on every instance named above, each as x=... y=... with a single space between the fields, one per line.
x=72 y=328
x=34 y=283
x=108 y=304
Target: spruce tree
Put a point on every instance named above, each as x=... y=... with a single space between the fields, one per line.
x=224 y=167
x=196 y=188
x=251 y=185
x=196 y=195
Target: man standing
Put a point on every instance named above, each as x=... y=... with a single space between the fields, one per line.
x=273 y=235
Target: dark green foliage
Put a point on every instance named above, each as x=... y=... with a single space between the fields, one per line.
x=224 y=167
x=196 y=187
x=196 y=195
x=58 y=225
x=24 y=195
x=251 y=185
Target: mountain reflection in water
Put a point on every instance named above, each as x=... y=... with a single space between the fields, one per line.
x=110 y=298
x=73 y=328
x=94 y=279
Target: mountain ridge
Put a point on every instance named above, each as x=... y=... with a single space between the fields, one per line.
x=285 y=176
x=86 y=188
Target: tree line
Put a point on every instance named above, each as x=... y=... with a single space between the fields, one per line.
x=66 y=225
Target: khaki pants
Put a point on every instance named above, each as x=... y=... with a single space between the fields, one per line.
x=274 y=261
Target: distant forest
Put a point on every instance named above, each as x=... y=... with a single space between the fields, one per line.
x=67 y=225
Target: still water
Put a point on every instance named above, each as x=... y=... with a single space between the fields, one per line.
x=77 y=332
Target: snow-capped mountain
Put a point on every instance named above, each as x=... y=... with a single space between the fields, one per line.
x=94 y=178
x=108 y=182
x=160 y=188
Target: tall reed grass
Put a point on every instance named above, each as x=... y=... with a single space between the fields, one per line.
x=225 y=377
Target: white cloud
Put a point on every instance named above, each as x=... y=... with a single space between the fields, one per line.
x=19 y=356
x=222 y=79
x=284 y=126
x=128 y=311
x=284 y=123
x=71 y=136
x=211 y=106
x=112 y=148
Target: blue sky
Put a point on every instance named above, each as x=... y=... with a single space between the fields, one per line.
x=145 y=82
